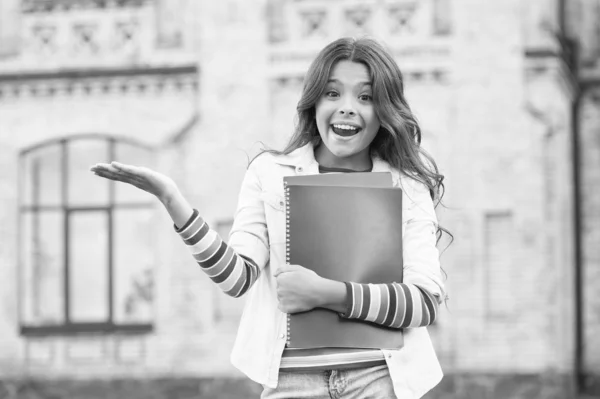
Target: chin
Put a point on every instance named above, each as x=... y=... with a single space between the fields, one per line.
x=342 y=151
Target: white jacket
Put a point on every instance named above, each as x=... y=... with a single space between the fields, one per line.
x=258 y=232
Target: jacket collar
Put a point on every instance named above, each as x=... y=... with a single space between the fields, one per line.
x=303 y=159
x=302 y=156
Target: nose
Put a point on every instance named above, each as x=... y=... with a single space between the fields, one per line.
x=347 y=111
x=347 y=107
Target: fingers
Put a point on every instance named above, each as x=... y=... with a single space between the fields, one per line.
x=135 y=170
x=283 y=308
x=108 y=174
x=118 y=171
x=106 y=170
x=289 y=309
x=117 y=167
x=100 y=167
x=287 y=268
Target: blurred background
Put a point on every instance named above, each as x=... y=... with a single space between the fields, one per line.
x=100 y=299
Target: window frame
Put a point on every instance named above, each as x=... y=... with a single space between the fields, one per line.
x=68 y=326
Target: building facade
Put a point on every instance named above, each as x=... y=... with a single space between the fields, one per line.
x=95 y=287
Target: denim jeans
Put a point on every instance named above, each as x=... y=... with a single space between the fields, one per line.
x=363 y=383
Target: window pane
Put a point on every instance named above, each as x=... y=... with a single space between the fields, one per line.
x=42 y=243
x=134 y=260
x=85 y=189
x=42 y=178
x=133 y=155
x=88 y=266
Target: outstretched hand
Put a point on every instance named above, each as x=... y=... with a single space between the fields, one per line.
x=143 y=178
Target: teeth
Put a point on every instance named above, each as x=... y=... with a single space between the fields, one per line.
x=345 y=127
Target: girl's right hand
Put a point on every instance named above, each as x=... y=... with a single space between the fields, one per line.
x=157 y=184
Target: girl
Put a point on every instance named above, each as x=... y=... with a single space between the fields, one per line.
x=352 y=117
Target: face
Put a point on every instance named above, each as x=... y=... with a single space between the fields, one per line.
x=346 y=118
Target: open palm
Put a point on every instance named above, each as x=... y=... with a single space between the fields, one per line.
x=141 y=177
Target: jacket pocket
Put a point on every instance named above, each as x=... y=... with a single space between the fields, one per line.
x=275 y=214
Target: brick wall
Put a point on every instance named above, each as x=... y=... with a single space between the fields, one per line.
x=590 y=176
x=497 y=169
x=498 y=126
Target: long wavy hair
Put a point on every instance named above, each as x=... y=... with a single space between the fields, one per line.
x=398 y=140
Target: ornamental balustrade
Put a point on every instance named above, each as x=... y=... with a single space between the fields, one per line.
x=418 y=31
x=80 y=34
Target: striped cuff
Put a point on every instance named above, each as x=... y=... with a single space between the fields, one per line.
x=233 y=273
x=178 y=230
x=349 y=300
x=391 y=305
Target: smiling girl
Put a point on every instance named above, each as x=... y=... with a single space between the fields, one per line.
x=352 y=117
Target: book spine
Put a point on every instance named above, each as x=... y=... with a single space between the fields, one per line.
x=286 y=190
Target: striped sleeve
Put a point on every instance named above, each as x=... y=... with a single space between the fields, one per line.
x=233 y=273
x=395 y=305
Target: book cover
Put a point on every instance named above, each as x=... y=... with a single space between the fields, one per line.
x=345 y=233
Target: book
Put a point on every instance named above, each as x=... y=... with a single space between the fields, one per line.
x=344 y=233
x=355 y=179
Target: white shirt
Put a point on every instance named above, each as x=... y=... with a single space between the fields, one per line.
x=258 y=232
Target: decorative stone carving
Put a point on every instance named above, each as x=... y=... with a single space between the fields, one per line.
x=85 y=38
x=62 y=38
x=92 y=34
x=358 y=21
x=20 y=86
x=407 y=25
x=41 y=6
x=400 y=17
x=125 y=35
x=44 y=39
x=313 y=23
x=305 y=22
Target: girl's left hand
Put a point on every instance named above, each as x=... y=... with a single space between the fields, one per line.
x=297 y=288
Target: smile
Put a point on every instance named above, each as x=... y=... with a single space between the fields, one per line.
x=345 y=130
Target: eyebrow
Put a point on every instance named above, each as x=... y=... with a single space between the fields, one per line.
x=365 y=83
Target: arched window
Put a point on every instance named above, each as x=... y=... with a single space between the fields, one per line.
x=86 y=243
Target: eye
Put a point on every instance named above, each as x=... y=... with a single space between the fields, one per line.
x=365 y=97
x=331 y=93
